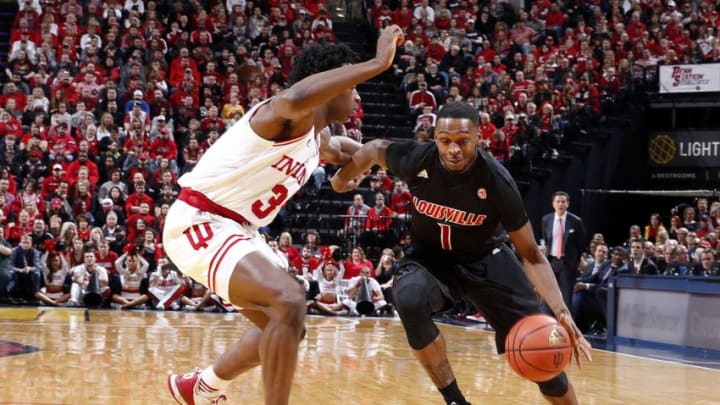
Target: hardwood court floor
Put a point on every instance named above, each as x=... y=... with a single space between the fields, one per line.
x=123 y=358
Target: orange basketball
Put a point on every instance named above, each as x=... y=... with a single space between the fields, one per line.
x=538 y=347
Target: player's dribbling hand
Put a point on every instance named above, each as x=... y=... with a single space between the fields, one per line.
x=387 y=44
x=579 y=343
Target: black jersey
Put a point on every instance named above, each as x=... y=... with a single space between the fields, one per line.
x=456 y=216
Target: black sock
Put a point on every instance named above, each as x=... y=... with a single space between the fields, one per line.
x=452 y=394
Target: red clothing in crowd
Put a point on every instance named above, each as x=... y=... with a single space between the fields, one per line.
x=418 y=96
x=353 y=269
x=381 y=221
x=304 y=266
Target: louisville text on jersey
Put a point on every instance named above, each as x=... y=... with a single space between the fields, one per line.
x=447 y=214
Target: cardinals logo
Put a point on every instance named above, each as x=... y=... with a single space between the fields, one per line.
x=481 y=193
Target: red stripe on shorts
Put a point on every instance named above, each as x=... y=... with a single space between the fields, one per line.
x=231 y=241
x=212 y=261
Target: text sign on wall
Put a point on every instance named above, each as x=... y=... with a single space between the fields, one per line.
x=684 y=149
x=690 y=78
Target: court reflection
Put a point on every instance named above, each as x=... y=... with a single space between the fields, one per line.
x=123 y=358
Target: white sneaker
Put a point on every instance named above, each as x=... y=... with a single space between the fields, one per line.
x=160 y=307
x=476 y=318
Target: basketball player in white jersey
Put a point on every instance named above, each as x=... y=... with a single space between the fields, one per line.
x=241 y=183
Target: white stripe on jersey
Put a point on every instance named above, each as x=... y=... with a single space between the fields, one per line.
x=253 y=176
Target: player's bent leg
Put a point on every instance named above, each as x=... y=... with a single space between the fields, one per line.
x=558 y=391
x=257 y=282
x=412 y=293
x=417 y=296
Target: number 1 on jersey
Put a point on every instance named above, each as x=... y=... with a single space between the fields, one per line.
x=445 y=236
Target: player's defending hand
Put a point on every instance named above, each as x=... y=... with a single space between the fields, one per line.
x=342 y=185
x=579 y=343
x=387 y=44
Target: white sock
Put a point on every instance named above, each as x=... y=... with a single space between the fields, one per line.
x=209 y=384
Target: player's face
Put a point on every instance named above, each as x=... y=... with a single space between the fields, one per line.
x=343 y=106
x=456 y=140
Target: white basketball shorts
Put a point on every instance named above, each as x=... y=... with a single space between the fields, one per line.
x=207 y=247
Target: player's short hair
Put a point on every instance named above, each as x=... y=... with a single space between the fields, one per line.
x=318 y=58
x=459 y=110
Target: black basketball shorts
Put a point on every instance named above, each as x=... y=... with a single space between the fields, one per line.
x=495 y=284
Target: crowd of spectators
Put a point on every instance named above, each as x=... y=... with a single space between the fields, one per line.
x=105 y=104
x=544 y=72
x=684 y=246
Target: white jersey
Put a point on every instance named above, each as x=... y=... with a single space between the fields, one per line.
x=328 y=286
x=54 y=282
x=252 y=176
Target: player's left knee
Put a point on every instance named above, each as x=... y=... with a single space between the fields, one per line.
x=556 y=387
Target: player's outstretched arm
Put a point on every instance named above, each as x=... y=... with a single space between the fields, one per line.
x=298 y=101
x=337 y=150
x=371 y=154
x=540 y=274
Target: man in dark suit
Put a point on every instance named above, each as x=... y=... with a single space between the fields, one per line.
x=638 y=263
x=590 y=291
x=600 y=256
x=565 y=236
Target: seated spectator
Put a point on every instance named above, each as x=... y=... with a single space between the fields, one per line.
x=379 y=225
x=326 y=301
x=707 y=266
x=285 y=245
x=385 y=272
x=678 y=262
x=40 y=236
x=114 y=233
x=421 y=98
x=638 y=264
x=26 y=278
x=132 y=205
x=306 y=265
x=197 y=297
x=191 y=155
x=23 y=227
x=355 y=263
x=128 y=287
x=312 y=239
x=653 y=228
x=589 y=302
x=104 y=257
x=499 y=147
x=166 y=287
x=151 y=250
x=376 y=294
x=400 y=199
x=57 y=278
x=355 y=216
x=82 y=274
x=138 y=100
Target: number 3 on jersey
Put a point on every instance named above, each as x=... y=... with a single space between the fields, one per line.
x=263 y=209
x=445 y=236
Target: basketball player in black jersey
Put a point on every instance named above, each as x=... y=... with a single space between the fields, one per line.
x=464 y=205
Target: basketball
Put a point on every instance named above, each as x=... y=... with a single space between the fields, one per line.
x=538 y=347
